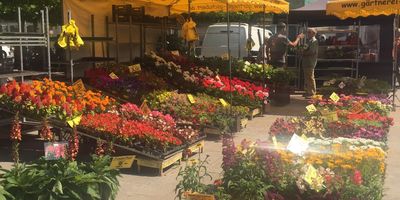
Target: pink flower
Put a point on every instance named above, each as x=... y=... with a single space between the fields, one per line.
x=357 y=177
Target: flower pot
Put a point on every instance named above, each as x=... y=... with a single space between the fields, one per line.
x=266 y=108
x=237 y=125
x=280 y=96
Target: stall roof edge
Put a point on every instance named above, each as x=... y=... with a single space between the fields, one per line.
x=319 y=5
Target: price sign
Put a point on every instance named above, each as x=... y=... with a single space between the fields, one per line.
x=297 y=145
x=122 y=162
x=274 y=141
x=223 y=102
x=311 y=108
x=357 y=108
x=135 y=68
x=312 y=176
x=191 y=99
x=335 y=98
x=78 y=86
x=304 y=137
x=75 y=121
x=55 y=150
x=175 y=53
x=342 y=85
x=113 y=76
x=330 y=116
x=145 y=108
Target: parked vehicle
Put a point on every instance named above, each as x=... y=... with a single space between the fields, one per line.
x=6 y=59
x=215 y=40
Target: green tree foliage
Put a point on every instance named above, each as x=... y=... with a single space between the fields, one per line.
x=30 y=10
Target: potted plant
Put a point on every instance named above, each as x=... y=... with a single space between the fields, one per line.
x=280 y=89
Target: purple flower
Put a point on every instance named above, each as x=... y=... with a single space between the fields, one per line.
x=228 y=152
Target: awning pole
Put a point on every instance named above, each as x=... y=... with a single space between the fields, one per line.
x=263 y=61
x=395 y=70
x=229 y=54
x=263 y=47
x=189 y=9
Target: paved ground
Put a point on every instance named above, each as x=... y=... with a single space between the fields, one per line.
x=148 y=186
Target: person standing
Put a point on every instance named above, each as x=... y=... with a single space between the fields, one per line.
x=276 y=46
x=309 y=61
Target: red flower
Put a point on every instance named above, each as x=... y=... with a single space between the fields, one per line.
x=357 y=177
x=218 y=182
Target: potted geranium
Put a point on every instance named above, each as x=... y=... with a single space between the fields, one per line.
x=280 y=89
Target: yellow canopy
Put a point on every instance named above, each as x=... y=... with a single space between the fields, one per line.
x=198 y=6
x=362 y=8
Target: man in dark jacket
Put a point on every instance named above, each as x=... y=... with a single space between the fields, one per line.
x=276 y=46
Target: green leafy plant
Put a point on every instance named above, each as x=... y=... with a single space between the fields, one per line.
x=253 y=71
x=191 y=177
x=174 y=43
x=246 y=179
x=62 y=179
x=281 y=76
x=4 y=195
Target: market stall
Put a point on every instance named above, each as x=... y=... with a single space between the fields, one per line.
x=339 y=43
x=353 y=9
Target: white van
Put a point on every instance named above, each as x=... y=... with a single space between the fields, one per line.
x=215 y=43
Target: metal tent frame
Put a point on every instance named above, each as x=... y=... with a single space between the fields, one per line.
x=24 y=39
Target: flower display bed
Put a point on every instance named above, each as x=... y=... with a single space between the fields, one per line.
x=45 y=99
x=149 y=132
x=352 y=86
x=344 y=157
x=126 y=86
x=205 y=111
x=188 y=77
x=142 y=131
x=331 y=169
x=353 y=117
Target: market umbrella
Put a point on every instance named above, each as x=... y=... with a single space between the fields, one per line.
x=256 y=6
x=361 y=8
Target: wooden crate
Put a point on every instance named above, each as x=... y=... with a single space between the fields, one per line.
x=197 y=147
x=244 y=122
x=212 y=131
x=158 y=164
x=254 y=113
x=200 y=197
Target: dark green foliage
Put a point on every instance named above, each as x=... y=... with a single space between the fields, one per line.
x=61 y=179
x=30 y=10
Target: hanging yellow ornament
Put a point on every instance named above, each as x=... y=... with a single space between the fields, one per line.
x=189 y=32
x=70 y=35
